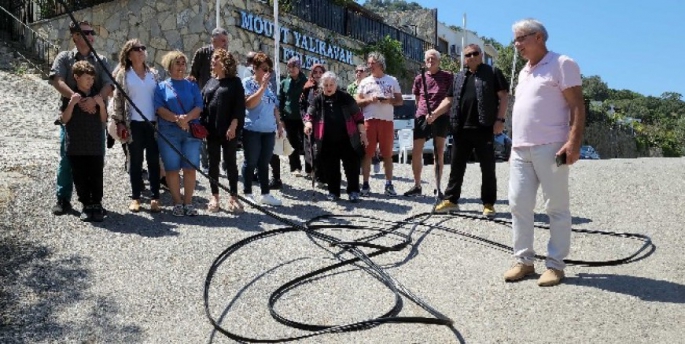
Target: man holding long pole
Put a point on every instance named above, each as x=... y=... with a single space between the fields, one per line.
x=429 y=88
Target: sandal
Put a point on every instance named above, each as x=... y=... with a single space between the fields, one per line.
x=190 y=210
x=213 y=206
x=234 y=206
x=178 y=210
x=154 y=206
x=134 y=207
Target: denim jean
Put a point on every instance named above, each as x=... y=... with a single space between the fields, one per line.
x=183 y=141
x=65 y=181
x=258 y=149
x=531 y=167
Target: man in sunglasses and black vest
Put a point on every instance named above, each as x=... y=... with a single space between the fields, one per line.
x=62 y=79
x=478 y=102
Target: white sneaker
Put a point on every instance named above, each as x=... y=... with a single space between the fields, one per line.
x=270 y=200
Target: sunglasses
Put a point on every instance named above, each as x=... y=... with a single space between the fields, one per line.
x=475 y=53
x=86 y=32
x=359 y=71
x=140 y=48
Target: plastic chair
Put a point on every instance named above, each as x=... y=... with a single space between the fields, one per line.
x=405 y=141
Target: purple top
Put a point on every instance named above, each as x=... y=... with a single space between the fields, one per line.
x=437 y=85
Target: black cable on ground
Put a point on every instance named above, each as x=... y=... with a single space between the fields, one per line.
x=354 y=255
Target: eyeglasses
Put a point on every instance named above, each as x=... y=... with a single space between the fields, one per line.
x=139 y=48
x=521 y=38
x=359 y=71
x=473 y=54
x=86 y=32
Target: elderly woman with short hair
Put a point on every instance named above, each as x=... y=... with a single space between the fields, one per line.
x=223 y=116
x=337 y=123
x=178 y=104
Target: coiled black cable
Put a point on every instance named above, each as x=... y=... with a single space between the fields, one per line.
x=359 y=259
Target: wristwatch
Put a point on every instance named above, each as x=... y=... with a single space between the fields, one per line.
x=503 y=120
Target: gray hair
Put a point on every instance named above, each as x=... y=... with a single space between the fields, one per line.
x=430 y=52
x=530 y=25
x=328 y=76
x=378 y=57
x=362 y=67
x=294 y=62
x=219 y=31
x=474 y=46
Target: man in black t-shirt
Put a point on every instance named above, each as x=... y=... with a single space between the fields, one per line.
x=478 y=102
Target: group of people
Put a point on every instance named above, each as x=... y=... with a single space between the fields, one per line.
x=201 y=117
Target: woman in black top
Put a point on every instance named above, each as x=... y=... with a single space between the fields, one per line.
x=223 y=116
x=337 y=126
x=309 y=92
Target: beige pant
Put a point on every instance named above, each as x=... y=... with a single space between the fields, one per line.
x=531 y=167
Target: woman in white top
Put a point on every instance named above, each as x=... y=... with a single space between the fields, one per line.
x=139 y=82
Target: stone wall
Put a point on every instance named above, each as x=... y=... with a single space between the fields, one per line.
x=615 y=142
x=186 y=25
x=424 y=20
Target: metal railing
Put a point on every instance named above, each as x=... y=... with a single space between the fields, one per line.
x=52 y=8
x=28 y=40
x=356 y=25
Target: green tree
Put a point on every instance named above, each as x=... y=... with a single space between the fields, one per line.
x=394 y=56
x=450 y=64
x=393 y=5
x=493 y=42
x=505 y=59
x=594 y=88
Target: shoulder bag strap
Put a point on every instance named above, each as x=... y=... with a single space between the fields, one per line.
x=168 y=84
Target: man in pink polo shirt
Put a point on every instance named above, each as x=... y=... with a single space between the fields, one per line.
x=547 y=122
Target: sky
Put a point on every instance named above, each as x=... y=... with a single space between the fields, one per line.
x=630 y=44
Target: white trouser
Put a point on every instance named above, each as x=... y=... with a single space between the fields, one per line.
x=530 y=167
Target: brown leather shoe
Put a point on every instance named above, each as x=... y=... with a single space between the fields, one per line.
x=154 y=206
x=551 y=277
x=518 y=272
x=134 y=207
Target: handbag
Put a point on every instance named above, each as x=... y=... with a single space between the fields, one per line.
x=196 y=129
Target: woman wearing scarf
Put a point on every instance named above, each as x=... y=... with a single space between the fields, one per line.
x=309 y=92
x=337 y=125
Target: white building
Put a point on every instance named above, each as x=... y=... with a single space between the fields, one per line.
x=449 y=43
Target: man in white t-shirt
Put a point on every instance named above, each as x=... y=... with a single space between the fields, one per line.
x=377 y=94
x=547 y=125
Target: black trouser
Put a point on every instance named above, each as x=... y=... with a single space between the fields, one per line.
x=275 y=164
x=329 y=161
x=87 y=172
x=216 y=146
x=295 y=130
x=144 y=146
x=204 y=154
x=467 y=140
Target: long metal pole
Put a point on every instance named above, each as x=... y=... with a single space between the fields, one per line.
x=463 y=40
x=513 y=72
x=277 y=47
x=218 y=11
